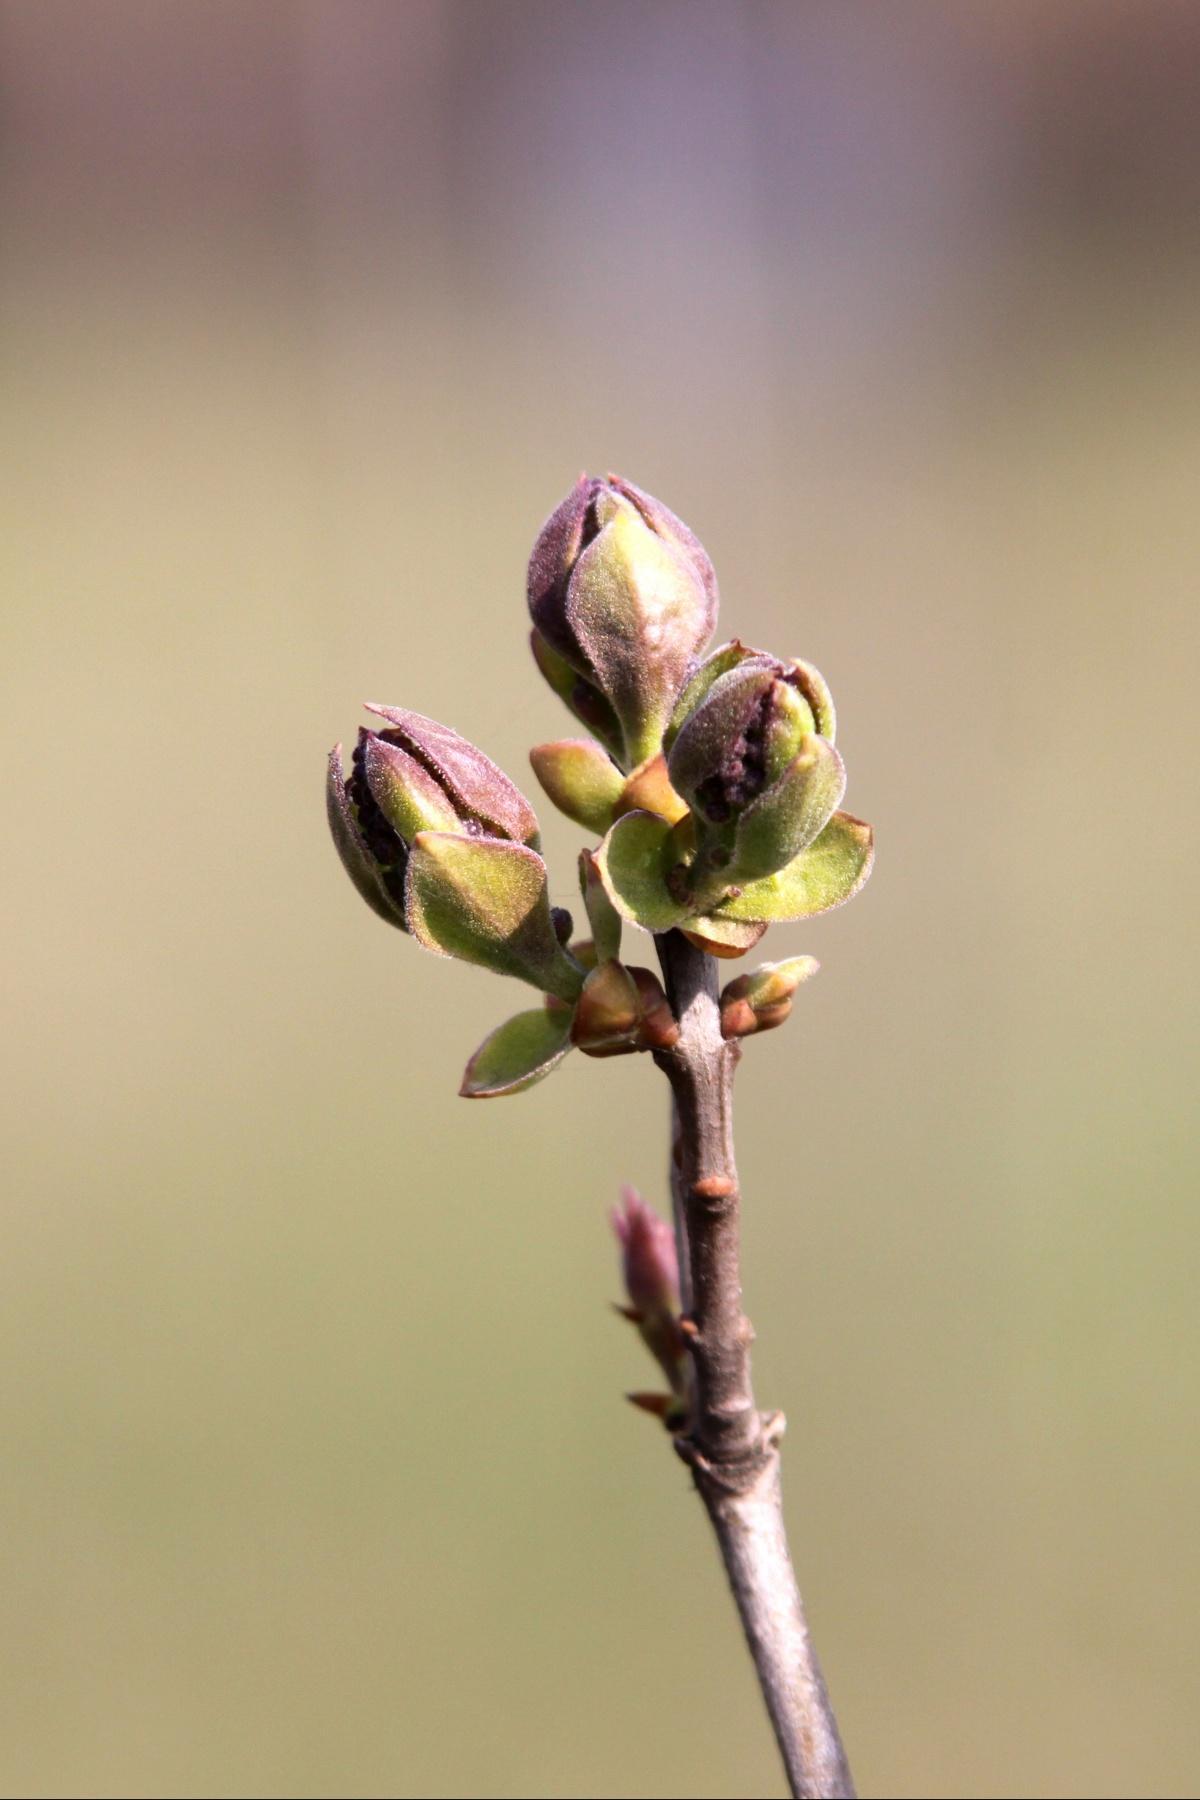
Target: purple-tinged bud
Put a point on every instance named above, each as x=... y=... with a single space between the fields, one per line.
x=651 y=1272
x=381 y=884
x=414 y=777
x=479 y=792
x=623 y=594
x=760 y=779
x=649 y=1262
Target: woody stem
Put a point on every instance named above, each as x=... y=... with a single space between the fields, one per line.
x=732 y=1448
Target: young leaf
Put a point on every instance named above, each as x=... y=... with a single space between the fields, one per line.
x=517 y=1054
x=603 y=916
x=485 y=900
x=829 y=872
x=723 y=937
x=632 y=862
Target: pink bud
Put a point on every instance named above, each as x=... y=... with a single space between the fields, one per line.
x=648 y=1257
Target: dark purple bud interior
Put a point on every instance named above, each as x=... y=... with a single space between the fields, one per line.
x=743 y=769
x=382 y=840
x=562 y=540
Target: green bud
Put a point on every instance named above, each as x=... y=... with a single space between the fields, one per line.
x=581 y=779
x=622 y=593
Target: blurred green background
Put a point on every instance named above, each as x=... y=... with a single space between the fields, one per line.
x=316 y=1474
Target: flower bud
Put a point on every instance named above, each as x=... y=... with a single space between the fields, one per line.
x=761 y=782
x=439 y=841
x=481 y=794
x=415 y=776
x=622 y=594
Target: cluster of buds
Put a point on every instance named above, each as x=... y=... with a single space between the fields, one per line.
x=713 y=780
x=711 y=783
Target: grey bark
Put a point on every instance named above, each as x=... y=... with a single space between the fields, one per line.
x=732 y=1448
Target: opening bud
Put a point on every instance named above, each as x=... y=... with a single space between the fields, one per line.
x=761 y=781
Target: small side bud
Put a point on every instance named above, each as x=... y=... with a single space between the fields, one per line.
x=669 y=1408
x=581 y=779
x=649 y=1260
x=606 y=1016
x=563 y=924
x=650 y=1269
x=649 y=789
x=762 y=999
x=622 y=1010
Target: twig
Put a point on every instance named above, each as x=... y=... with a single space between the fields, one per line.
x=732 y=1448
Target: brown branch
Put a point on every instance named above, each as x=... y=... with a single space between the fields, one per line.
x=732 y=1448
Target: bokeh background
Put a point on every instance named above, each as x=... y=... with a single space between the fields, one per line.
x=316 y=1473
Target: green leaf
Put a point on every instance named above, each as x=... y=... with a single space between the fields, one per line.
x=485 y=901
x=829 y=872
x=633 y=860
x=518 y=1054
x=603 y=917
